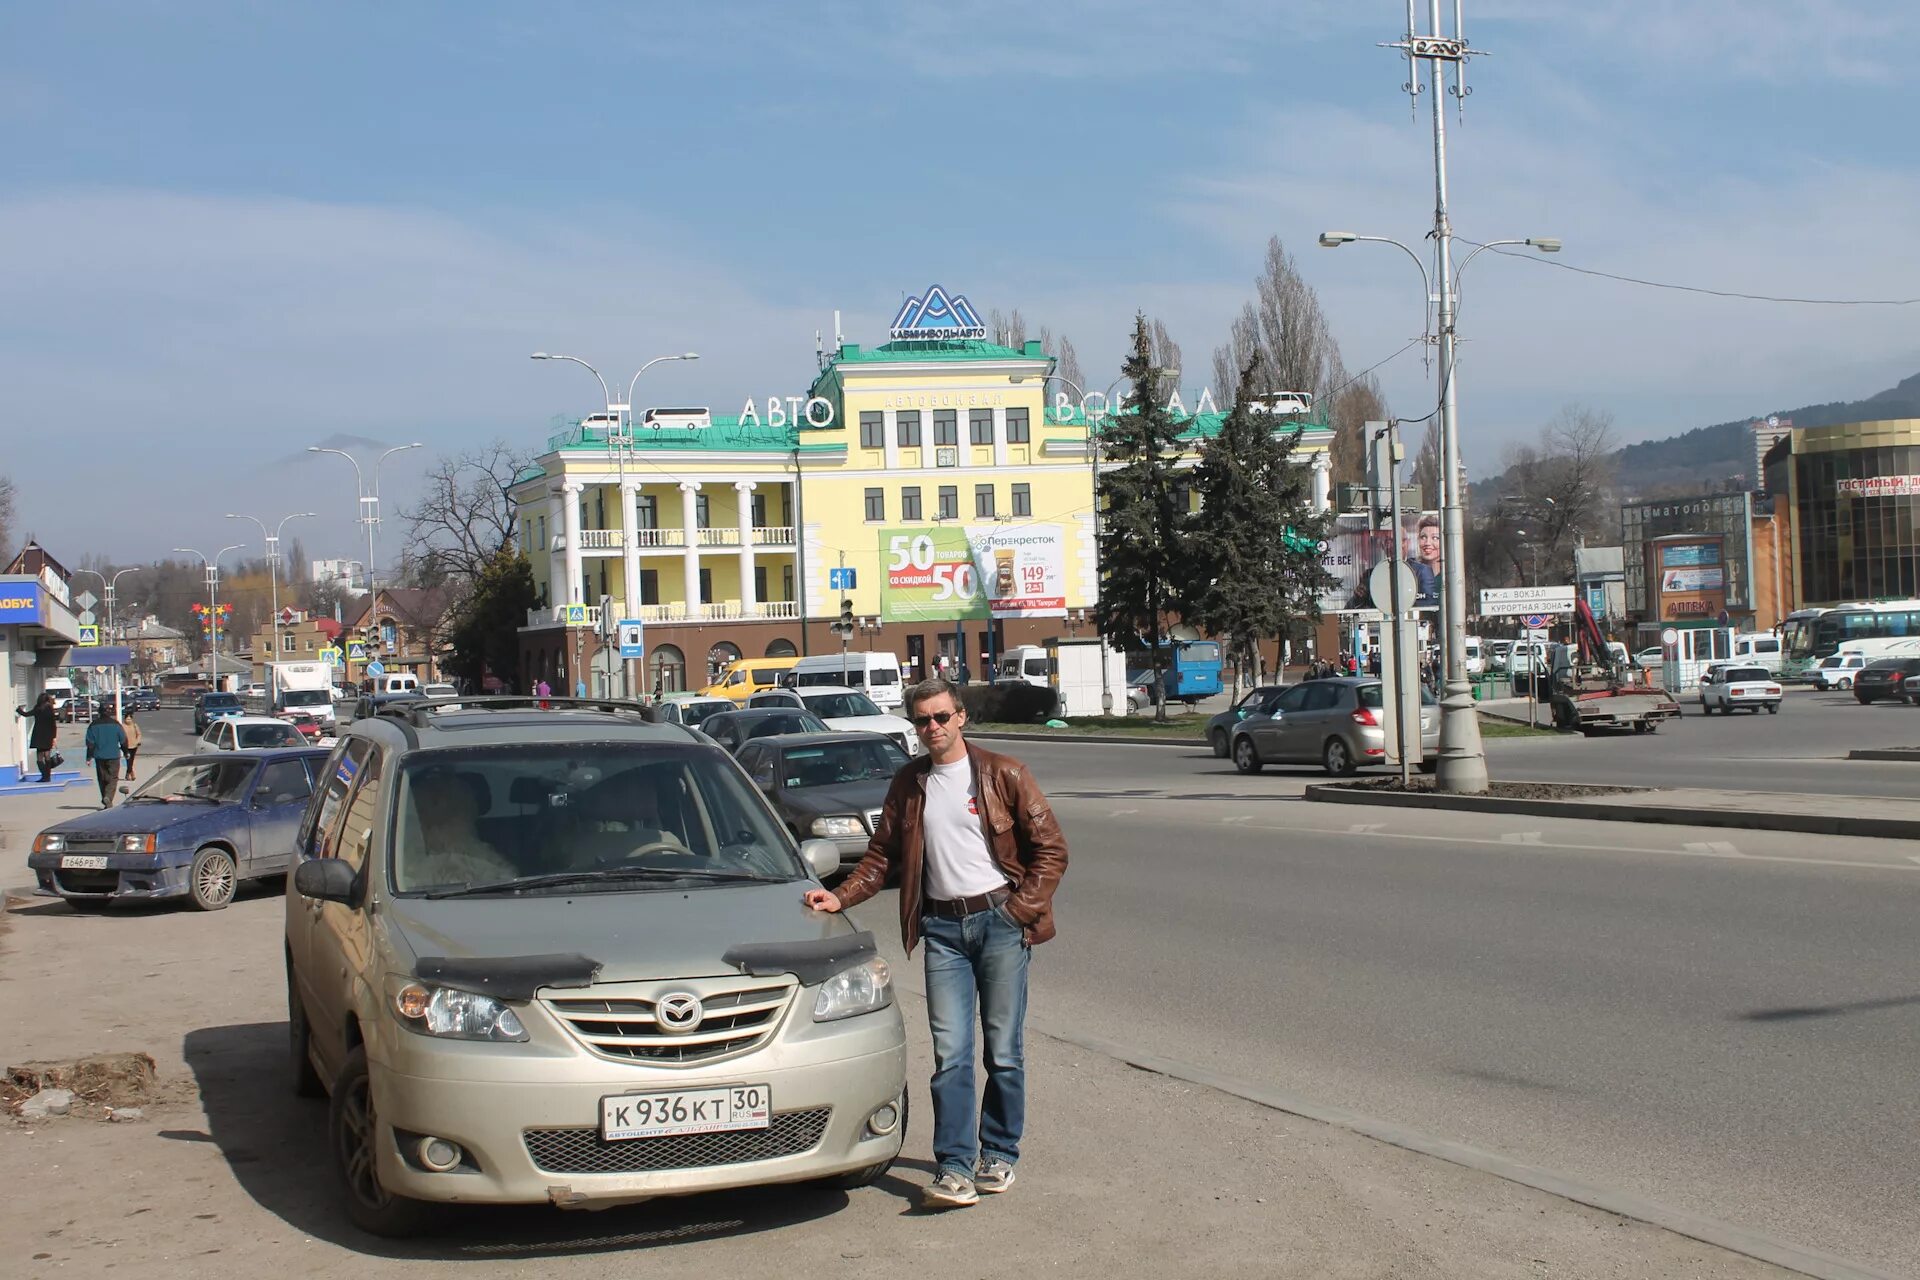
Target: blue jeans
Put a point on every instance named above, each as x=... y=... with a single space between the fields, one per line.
x=979 y=956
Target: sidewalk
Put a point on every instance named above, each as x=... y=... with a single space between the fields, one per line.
x=1128 y=1172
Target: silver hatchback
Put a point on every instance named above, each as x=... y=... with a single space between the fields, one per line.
x=560 y=956
x=1337 y=724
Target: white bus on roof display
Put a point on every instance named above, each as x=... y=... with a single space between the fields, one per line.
x=1875 y=629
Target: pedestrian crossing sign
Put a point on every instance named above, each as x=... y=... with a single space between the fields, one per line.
x=356 y=652
x=89 y=635
x=576 y=615
x=330 y=656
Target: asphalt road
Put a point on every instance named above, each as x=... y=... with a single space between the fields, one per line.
x=1726 y=1025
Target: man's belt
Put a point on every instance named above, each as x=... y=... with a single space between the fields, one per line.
x=954 y=908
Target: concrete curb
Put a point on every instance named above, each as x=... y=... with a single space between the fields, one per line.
x=1670 y=815
x=1110 y=739
x=1904 y=755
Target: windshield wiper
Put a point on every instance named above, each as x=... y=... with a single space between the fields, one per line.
x=601 y=876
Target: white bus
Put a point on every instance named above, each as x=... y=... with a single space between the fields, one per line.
x=1859 y=628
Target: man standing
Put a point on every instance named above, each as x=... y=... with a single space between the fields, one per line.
x=979 y=856
x=106 y=744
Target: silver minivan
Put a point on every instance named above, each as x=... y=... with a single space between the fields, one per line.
x=561 y=956
x=1335 y=723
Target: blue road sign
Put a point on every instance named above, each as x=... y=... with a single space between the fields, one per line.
x=376 y=668
x=89 y=635
x=576 y=615
x=356 y=652
x=1535 y=621
x=841 y=580
x=633 y=638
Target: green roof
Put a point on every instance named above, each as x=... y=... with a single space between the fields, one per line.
x=930 y=350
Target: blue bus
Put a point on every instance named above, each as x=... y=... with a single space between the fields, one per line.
x=1191 y=669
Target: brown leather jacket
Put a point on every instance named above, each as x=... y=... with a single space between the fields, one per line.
x=1016 y=819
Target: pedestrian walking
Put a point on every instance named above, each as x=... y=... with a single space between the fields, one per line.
x=106 y=747
x=42 y=735
x=978 y=856
x=132 y=731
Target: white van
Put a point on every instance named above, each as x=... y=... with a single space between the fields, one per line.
x=875 y=674
x=1476 y=656
x=1024 y=663
x=1758 y=649
x=398 y=682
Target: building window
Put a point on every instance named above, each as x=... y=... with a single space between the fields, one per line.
x=700 y=511
x=946 y=426
x=646 y=511
x=759 y=508
x=907 y=428
x=759 y=582
x=876 y=505
x=1023 y=500
x=983 y=501
x=649 y=586
x=543 y=532
x=910 y=503
x=873 y=431
x=949 y=502
x=1017 y=426
x=980 y=426
x=706 y=586
x=286 y=644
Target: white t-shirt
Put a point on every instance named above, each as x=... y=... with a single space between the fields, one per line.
x=957 y=862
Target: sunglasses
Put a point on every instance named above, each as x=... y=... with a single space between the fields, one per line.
x=938 y=717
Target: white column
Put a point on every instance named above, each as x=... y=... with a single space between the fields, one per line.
x=1322 y=481
x=630 y=547
x=890 y=438
x=570 y=498
x=691 y=559
x=556 y=558
x=749 y=603
x=1000 y=435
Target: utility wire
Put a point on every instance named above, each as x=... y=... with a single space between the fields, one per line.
x=1688 y=288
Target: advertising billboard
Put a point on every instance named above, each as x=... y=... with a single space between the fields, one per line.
x=1354 y=547
x=950 y=572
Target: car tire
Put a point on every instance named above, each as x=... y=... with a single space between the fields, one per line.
x=300 y=1073
x=1705 y=710
x=212 y=878
x=353 y=1132
x=1861 y=698
x=1219 y=744
x=1337 y=759
x=874 y=1172
x=1246 y=756
x=1773 y=708
x=1846 y=682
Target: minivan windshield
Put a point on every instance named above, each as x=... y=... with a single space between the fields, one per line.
x=832 y=706
x=580 y=817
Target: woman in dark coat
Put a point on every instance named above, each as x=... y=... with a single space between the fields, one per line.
x=41 y=737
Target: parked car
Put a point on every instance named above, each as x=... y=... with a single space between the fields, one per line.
x=1726 y=686
x=438 y=690
x=692 y=708
x=559 y=957
x=309 y=727
x=1220 y=726
x=732 y=728
x=1654 y=657
x=142 y=698
x=248 y=733
x=826 y=786
x=209 y=707
x=1883 y=678
x=200 y=825
x=1337 y=723
x=369 y=704
x=843 y=708
x=1837 y=671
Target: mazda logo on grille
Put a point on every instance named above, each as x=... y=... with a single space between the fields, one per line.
x=679 y=1011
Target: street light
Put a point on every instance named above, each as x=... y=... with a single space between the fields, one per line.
x=1462 y=766
x=621 y=439
x=369 y=505
x=273 y=560
x=213 y=600
x=108 y=584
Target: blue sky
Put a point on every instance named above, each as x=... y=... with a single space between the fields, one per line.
x=231 y=230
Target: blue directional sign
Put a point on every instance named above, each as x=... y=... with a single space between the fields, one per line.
x=633 y=638
x=841 y=580
x=376 y=668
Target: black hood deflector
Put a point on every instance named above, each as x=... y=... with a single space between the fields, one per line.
x=508 y=977
x=811 y=962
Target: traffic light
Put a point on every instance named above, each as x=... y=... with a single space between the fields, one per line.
x=846 y=614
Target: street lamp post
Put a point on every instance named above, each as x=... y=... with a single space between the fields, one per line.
x=108 y=586
x=273 y=561
x=369 y=507
x=620 y=439
x=1462 y=767
x=213 y=601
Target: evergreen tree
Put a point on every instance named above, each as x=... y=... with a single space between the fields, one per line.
x=486 y=627
x=1252 y=556
x=1140 y=531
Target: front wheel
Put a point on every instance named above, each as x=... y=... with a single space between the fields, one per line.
x=1337 y=758
x=1846 y=682
x=211 y=879
x=1219 y=744
x=1246 y=756
x=1705 y=709
x=354 y=1130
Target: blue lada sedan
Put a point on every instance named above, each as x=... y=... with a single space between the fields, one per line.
x=195 y=829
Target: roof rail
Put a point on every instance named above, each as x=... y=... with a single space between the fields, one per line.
x=416 y=710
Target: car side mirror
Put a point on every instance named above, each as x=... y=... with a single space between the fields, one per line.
x=329 y=880
x=822 y=857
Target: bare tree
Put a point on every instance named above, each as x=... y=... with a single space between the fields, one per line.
x=1165 y=351
x=1561 y=488
x=1355 y=403
x=7 y=497
x=1066 y=359
x=464 y=515
x=1009 y=330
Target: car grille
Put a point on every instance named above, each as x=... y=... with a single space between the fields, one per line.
x=583 y=1150
x=103 y=844
x=873 y=819
x=737 y=1015
x=87 y=881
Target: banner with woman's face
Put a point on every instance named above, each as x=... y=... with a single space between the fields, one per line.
x=1354 y=548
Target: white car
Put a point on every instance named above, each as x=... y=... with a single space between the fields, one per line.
x=842 y=708
x=439 y=691
x=248 y=733
x=1654 y=657
x=1837 y=672
x=1725 y=686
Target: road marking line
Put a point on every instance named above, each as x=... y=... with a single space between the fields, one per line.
x=1365 y=828
x=1913 y=858
x=1121 y=813
x=1724 y=848
x=1238 y=818
x=1522 y=837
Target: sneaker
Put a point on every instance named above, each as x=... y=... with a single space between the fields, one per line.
x=993 y=1176
x=950 y=1190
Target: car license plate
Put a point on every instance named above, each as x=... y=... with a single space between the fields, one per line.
x=678 y=1111
x=83 y=862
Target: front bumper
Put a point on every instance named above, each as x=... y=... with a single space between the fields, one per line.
x=529 y=1139
x=127 y=877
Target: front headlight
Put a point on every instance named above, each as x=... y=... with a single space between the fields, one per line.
x=455 y=1015
x=834 y=828
x=136 y=844
x=49 y=842
x=862 y=989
